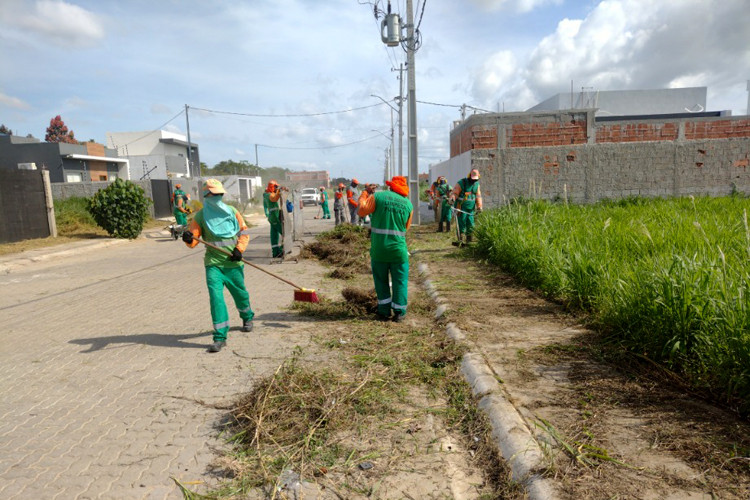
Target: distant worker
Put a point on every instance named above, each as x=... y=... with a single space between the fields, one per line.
x=468 y=201
x=442 y=207
x=180 y=203
x=223 y=226
x=339 y=205
x=272 y=207
x=324 y=202
x=352 y=195
x=390 y=216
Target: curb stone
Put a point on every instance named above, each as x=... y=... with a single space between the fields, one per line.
x=13 y=261
x=509 y=430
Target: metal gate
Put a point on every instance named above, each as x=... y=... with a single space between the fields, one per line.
x=161 y=193
x=23 y=205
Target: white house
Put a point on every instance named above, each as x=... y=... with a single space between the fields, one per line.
x=156 y=154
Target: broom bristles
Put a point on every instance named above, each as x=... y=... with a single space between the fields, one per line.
x=306 y=295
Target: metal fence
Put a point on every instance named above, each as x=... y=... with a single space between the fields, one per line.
x=26 y=205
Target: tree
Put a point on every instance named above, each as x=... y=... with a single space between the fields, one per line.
x=58 y=132
x=5 y=130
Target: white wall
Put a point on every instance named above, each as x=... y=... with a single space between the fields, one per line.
x=453 y=169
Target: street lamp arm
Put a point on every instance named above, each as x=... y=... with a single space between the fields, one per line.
x=389 y=104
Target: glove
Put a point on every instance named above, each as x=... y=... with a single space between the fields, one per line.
x=187 y=236
x=236 y=256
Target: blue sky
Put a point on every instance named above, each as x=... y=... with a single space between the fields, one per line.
x=132 y=65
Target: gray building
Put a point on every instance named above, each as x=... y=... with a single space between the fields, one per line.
x=629 y=102
x=65 y=162
x=157 y=154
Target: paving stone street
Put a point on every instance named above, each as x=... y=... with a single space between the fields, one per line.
x=107 y=388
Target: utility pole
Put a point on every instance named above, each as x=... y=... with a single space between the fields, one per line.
x=190 y=145
x=411 y=43
x=400 y=119
x=256 y=159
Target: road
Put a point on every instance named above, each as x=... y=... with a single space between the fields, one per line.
x=107 y=388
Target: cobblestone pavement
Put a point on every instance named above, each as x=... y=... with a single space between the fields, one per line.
x=106 y=386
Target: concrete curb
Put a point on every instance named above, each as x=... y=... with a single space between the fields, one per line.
x=12 y=262
x=511 y=434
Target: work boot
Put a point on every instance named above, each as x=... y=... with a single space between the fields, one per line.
x=459 y=242
x=247 y=325
x=448 y=226
x=440 y=228
x=382 y=317
x=216 y=346
x=469 y=238
x=397 y=318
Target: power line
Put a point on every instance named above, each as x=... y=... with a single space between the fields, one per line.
x=150 y=132
x=286 y=115
x=322 y=147
x=454 y=106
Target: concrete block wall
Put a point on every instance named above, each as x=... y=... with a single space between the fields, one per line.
x=588 y=173
x=567 y=154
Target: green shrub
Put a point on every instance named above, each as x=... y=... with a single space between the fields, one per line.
x=121 y=209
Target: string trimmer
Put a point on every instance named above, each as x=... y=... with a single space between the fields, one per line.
x=300 y=294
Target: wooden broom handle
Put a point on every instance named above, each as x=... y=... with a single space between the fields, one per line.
x=248 y=263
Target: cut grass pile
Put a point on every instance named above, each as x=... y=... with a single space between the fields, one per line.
x=667 y=279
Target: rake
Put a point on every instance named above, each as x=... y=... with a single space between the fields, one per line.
x=300 y=294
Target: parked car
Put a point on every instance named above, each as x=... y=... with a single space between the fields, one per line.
x=310 y=196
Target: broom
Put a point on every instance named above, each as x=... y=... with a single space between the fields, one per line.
x=300 y=294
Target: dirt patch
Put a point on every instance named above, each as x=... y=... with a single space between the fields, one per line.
x=613 y=426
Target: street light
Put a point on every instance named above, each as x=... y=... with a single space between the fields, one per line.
x=390 y=150
x=400 y=129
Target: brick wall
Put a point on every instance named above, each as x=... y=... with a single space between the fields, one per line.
x=547 y=134
x=720 y=129
x=634 y=132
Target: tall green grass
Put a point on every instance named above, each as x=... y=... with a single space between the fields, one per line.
x=669 y=279
x=72 y=217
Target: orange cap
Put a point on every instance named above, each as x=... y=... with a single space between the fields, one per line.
x=341 y=185
x=322 y=188
x=178 y=186
x=399 y=185
x=271 y=184
x=354 y=180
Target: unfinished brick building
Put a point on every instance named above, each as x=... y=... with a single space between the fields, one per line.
x=576 y=155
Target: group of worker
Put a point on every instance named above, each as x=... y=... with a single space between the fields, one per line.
x=464 y=199
x=224 y=232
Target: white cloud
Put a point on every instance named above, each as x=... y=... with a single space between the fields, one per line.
x=516 y=5
x=13 y=102
x=495 y=74
x=631 y=44
x=64 y=23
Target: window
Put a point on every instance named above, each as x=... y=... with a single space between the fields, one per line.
x=72 y=177
x=102 y=177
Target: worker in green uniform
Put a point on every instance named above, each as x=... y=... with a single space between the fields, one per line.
x=179 y=202
x=324 y=202
x=467 y=198
x=223 y=226
x=272 y=208
x=390 y=216
x=443 y=208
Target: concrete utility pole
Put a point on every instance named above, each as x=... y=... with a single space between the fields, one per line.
x=401 y=119
x=190 y=145
x=411 y=43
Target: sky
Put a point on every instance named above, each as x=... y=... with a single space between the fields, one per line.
x=297 y=77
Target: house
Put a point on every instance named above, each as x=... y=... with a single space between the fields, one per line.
x=156 y=154
x=88 y=161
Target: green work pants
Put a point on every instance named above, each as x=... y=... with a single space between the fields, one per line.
x=445 y=212
x=277 y=245
x=234 y=279
x=326 y=212
x=465 y=222
x=180 y=217
x=399 y=277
